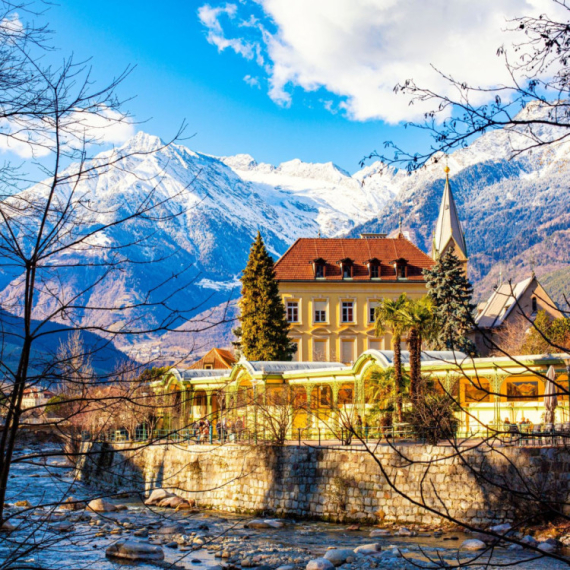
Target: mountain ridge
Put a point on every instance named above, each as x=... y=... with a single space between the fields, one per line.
x=508 y=208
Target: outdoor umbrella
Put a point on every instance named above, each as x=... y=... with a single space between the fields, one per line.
x=550 y=398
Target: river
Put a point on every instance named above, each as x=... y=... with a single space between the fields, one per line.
x=50 y=538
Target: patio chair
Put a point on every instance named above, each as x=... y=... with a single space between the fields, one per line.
x=513 y=432
x=536 y=434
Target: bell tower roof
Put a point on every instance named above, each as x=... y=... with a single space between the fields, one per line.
x=448 y=226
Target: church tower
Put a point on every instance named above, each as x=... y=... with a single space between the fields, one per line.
x=448 y=228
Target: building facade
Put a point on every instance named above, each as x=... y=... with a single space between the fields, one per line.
x=489 y=390
x=510 y=312
x=331 y=288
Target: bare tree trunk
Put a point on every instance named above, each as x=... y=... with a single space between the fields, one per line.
x=396 y=340
x=414 y=362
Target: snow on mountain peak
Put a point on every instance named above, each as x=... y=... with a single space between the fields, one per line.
x=240 y=162
x=143 y=142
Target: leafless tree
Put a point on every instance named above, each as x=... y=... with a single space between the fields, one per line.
x=537 y=96
x=58 y=244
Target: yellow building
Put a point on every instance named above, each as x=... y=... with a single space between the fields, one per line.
x=331 y=288
x=488 y=390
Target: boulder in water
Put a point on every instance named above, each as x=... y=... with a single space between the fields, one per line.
x=473 y=544
x=158 y=495
x=320 y=564
x=132 y=550
x=339 y=556
x=101 y=506
x=368 y=549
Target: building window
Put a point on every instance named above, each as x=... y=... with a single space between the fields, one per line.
x=320 y=311
x=293 y=311
x=374 y=271
x=400 y=271
x=347 y=351
x=347 y=315
x=208 y=367
x=372 y=311
x=346 y=268
x=319 y=271
x=534 y=305
x=374 y=345
x=319 y=351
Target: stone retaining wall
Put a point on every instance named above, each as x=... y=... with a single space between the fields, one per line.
x=479 y=486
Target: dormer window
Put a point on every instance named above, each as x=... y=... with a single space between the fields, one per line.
x=534 y=305
x=374 y=268
x=346 y=268
x=319 y=268
x=401 y=268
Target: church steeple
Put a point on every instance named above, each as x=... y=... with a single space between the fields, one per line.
x=448 y=227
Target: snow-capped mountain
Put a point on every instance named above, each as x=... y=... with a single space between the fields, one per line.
x=514 y=213
x=342 y=200
x=211 y=210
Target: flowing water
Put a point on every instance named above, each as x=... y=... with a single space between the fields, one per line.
x=54 y=539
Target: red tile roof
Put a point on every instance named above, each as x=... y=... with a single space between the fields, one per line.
x=297 y=262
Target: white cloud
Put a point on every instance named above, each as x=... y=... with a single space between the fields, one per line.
x=360 y=49
x=30 y=138
x=211 y=17
x=252 y=81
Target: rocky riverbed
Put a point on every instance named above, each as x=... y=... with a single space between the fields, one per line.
x=124 y=530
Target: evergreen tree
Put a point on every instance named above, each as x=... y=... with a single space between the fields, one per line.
x=264 y=328
x=451 y=293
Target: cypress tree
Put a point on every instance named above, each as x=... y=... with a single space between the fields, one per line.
x=263 y=327
x=451 y=293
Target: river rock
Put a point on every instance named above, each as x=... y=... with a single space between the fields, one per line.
x=549 y=546
x=171 y=529
x=131 y=550
x=70 y=504
x=158 y=495
x=142 y=532
x=404 y=531
x=101 y=506
x=473 y=544
x=380 y=532
x=368 y=549
x=501 y=528
x=339 y=556
x=22 y=504
x=62 y=527
x=172 y=502
x=320 y=564
x=7 y=527
x=258 y=524
x=531 y=541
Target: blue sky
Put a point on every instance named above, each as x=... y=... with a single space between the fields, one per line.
x=317 y=98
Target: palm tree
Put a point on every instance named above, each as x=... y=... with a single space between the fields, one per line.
x=390 y=318
x=419 y=320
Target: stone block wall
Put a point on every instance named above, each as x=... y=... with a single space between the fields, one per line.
x=478 y=486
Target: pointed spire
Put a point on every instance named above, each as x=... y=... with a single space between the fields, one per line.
x=448 y=226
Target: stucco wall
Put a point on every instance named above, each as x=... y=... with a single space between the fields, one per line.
x=341 y=484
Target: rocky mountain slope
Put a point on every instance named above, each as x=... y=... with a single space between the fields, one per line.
x=514 y=212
